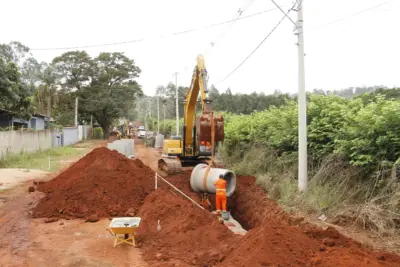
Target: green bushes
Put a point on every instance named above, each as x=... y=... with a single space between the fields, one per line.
x=353 y=148
x=364 y=134
x=97 y=133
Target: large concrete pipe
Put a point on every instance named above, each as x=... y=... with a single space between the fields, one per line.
x=206 y=185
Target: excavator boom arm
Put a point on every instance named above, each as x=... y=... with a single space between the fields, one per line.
x=198 y=87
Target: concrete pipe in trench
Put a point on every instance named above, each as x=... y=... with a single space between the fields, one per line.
x=198 y=184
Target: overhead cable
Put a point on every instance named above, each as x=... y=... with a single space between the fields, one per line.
x=259 y=45
x=160 y=36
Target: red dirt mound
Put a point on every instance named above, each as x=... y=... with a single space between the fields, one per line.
x=251 y=207
x=274 y=240
x=103 y=183
x=189 y=236
x=277 y=239
x=273 y=246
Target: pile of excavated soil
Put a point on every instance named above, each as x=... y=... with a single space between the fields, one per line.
x=292 y=246
x=103 y=183
x=277 y=239
x=189 y=236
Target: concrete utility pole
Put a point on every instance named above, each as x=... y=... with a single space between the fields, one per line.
x=145 y=122
x=164 y=119
x=177 y=103
x=76 y=112
x=302 y=102
x=158 y=114
x=150 y=107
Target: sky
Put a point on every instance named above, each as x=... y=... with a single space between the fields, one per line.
x=348 y=43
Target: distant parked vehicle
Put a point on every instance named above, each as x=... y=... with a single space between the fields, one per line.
x=141 y=132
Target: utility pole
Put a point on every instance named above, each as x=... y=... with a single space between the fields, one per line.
x=150 y=117
x=49 y=106
x=76 y=112
x=302 y=102
x=158 y=114
x=145 y=122
x=177 y=103
x=164 y=119
x=150 y=106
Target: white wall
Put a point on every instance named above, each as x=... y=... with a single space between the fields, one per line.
x=26 y=141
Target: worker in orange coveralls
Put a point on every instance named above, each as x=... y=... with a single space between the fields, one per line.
x=220 y=197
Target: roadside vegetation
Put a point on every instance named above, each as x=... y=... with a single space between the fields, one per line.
x=40 y=160
x=354 y=153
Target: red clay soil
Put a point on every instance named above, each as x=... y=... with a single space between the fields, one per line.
x=103 y=183
x=250 y=206
x=189 y=236
x=276 y=239
x=181 y=181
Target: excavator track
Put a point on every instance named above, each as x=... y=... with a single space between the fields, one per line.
x=170 y=165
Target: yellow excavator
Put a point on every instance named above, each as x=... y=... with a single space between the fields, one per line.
x=201 y=134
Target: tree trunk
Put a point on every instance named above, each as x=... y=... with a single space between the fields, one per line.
x=49 y=105
x=106 y=131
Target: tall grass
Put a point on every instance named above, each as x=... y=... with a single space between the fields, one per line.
x=39 y=160
x=336 y=188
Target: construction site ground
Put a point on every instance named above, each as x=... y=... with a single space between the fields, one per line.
x=188 y=236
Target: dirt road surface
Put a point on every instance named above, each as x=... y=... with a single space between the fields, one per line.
x=31 y=242
x=10 y=178
x=148 y=156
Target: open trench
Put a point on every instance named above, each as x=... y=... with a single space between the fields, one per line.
x=193 y=237
x=273 y=239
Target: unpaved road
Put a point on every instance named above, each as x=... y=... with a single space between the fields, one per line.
x=148 y=156
x=31 y=242
x=10 y=178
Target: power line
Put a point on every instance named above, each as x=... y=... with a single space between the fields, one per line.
x=332 y=22
x=235 y=18
x=259 y=45
x=160 y=36
x=351 y=15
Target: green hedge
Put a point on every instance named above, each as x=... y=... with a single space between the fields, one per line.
x=364 y=134
x=97 y=133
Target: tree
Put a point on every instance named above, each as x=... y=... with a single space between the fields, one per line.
x=30 y=71
x=75 y=69
x=14 y=95
x=112 y=91
x=46 y=95
x=13 y=52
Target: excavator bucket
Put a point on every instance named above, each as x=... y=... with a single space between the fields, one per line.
x=204 y=127
x=170 y=165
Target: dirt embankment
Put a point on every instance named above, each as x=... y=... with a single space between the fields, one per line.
x=101 y=184
x=276 y=239
x=188 y=236
x=104 y=183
